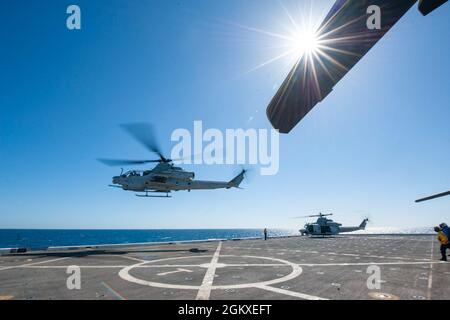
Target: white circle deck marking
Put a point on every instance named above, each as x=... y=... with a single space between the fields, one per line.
x=296 y=271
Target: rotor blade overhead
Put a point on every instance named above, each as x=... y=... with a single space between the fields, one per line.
x=313 y=216
x=436 y=196
x=144 y=133
x=428 y=6
x=116 y=163
x=344 y=38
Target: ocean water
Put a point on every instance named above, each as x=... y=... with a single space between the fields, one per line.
x=15 y=238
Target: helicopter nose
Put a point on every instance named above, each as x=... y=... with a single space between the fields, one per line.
x=116 y=180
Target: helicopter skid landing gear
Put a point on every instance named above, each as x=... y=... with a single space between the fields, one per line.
x=147 y=195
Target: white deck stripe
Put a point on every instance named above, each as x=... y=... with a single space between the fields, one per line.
x=430 y=278
x=290 y=293
x=405 y=263
x=205 y=289
x=132 y=258
x=175 y=271
x=339 y=254
x=32 y=264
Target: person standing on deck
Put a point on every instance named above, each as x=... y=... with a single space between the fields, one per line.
x=442 y=238
x=265 y=234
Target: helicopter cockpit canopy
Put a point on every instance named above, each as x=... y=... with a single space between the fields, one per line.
x=131 y=174
x=135 y=173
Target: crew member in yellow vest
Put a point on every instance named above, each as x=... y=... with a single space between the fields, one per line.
x=444 y=243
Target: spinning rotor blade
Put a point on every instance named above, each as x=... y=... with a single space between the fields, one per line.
x=313 y=216
x=116 y=163
x=144 y=133
x=304 y=217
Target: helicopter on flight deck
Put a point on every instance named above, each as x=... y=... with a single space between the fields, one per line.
x=327 y=227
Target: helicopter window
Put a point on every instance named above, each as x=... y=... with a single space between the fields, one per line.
x=133 y=174
x=325 y=229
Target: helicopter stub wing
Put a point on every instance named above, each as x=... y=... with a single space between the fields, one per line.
x=344 y=39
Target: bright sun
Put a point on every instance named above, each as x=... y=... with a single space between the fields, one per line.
x=300 y=37
x=305 y=43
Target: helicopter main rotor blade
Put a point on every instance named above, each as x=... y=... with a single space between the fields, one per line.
x=116 y=163
x=304 y=217
x=313 y=216
x=144 y=133
x=436 y=196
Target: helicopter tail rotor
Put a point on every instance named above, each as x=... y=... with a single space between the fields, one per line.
x=363 y=225
x=236 y=182
x=366 y=216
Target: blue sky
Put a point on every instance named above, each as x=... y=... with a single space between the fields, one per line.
x=379 y=141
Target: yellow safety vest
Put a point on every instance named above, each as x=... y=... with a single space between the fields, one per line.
x=442 y=238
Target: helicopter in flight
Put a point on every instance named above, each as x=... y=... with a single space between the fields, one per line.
x=327 y=227
x=165 y=177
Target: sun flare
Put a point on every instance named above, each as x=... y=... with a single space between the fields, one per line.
x=305 y=42
x=300 y=35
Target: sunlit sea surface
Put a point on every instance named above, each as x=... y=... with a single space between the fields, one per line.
x=14 y=238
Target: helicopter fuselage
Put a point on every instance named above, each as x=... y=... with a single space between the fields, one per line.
x=162 y=184
x=327 y=227
x=165 y=178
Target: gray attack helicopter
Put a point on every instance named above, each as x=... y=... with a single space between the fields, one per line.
x=326 y=227
x=165 y=177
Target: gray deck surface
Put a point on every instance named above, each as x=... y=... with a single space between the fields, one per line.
x=290 y=268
